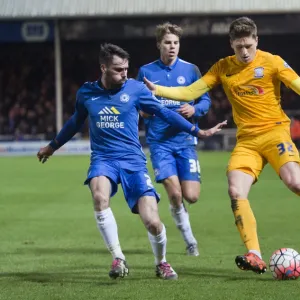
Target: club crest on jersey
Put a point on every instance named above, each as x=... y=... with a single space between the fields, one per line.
x=180 y=80
x=259 y=72
x=124 y=98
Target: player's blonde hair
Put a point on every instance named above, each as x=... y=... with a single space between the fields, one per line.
x=165 y=28
x=242 y=27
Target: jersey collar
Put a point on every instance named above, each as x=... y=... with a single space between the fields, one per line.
x=163 y=66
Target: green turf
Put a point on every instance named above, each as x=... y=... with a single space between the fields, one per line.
x=50 y=247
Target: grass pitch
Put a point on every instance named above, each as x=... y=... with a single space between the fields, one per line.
x=51 y=249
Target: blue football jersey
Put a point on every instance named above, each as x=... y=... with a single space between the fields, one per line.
x=113 y=121
x=181 y=73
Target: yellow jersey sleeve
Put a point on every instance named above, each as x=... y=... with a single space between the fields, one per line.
x=184 y=93
x=284 y=72
x=195 y=90
x=295 y=85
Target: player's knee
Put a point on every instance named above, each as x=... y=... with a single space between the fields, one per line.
x=176 y=198
x=234 y=192
x=294 y=185
x=153 y=226
x=191 y=198
x=101 y=201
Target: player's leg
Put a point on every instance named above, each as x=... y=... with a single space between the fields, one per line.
x=244 y=167
x=283 y=155
x=180 y=214
x=143 y=199
x=290 y=175
x=165 y=169
x=148 y=210
x=189 y=175
x=102 y=188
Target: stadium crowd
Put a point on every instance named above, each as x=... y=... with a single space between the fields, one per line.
x=27 y=81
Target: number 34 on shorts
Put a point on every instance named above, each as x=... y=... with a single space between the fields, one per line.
x=285 y=147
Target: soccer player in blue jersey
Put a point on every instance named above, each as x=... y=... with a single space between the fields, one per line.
x=111 y=105
x=173 y=154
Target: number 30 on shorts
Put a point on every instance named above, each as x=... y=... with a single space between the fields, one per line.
x=194 y=166
x=283 y=147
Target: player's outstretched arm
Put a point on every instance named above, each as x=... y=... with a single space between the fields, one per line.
x=71 y=127
x=183 y=93
x=295 y=86
x=177 y=121
x=149 y=104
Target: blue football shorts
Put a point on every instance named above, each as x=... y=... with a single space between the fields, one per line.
x=135 y=184
x=169 y=161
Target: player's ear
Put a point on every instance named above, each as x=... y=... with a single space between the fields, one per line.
x=231 y=43
x=103 y=68
x=158 y=46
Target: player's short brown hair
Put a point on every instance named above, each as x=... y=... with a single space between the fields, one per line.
x=165 y=28
x=107 y=51
x=242 y=27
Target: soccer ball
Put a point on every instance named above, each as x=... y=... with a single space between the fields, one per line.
x=285 y=264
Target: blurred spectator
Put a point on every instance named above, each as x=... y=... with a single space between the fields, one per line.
x=27 y=87
x=295 y=131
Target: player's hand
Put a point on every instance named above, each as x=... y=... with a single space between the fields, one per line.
x=45 y=153
x=212 y=131
x=150 y=85
x=186 y=110
x=144 y=115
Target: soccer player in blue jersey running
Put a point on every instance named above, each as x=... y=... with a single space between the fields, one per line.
x=173 y=154
x=111 y=105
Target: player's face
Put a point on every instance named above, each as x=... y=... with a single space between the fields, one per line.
x=115 y=73
x=169 y=47
x=244 y=48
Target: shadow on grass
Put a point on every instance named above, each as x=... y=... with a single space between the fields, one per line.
x=227 y=274
x=78 y=250
x=58 y=277
x=97 y=276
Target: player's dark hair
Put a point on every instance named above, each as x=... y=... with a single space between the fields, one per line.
x=107 y=51
x=242 y=27
x=165 y=28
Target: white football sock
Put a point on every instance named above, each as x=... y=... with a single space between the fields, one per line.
x=255 y=252
x=159 y=245
x=182 y=221
x=108 y=228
